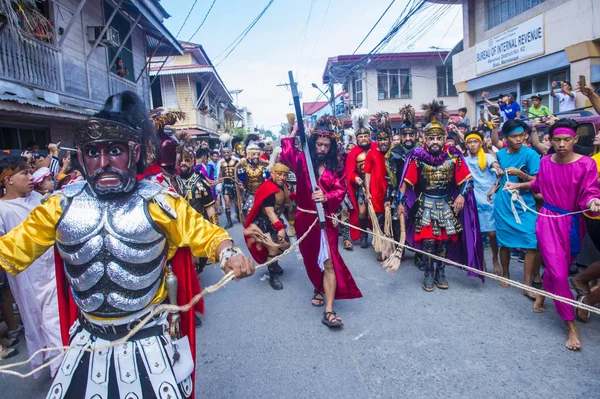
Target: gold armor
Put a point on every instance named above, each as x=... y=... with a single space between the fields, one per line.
x=228 y=168
x=254 y=178
x=360 y=163
x=436 y=179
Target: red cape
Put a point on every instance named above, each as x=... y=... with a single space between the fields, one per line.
x=375 y=166
x=188 y=286
x=351 y=176
x=265 y=190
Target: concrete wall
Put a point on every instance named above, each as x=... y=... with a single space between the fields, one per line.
x=424 y=87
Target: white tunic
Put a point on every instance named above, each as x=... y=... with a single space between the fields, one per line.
x=34 y=289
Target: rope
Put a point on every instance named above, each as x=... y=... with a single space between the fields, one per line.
x=492 y=276
x=230 y=276
x=517 y=197
x=159 y=309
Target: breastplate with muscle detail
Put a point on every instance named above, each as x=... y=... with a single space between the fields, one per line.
x=114 y=254
x=436 y=179
x=228 y=168
x=255 y=176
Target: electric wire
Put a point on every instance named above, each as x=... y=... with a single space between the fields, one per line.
x=374 y=26
x=305 y=31
x=203 y=21
x=242 y=35
x=186 y=18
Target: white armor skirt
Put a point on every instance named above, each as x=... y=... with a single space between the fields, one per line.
x=150 y=365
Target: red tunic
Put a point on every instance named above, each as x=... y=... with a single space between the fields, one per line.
x=375 y=166
x=351 y=177
x=265 y=190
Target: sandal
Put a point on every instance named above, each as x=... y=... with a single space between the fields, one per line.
x=9 y=342
x=588 y=313
x=330 y=319
x=318 y=298
x=579 y=291
x=348 y=245
x=6 y=353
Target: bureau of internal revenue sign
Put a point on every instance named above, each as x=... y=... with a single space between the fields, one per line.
x=514 y=45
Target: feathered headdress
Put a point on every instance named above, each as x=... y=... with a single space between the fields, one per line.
x=225 y=142
x=267 y=143
x=360 y=121
x=252 y=143
x=407 y=113
x=349 y=136
x=431 y=113
x=163 y=117
x=329 y=126
x=274 y=157
x=383 y=123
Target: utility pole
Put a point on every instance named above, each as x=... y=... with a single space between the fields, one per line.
x=331 y=92
x=236 y=92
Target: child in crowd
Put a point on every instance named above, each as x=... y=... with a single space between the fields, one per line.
x=43 y=181
x=569 y=183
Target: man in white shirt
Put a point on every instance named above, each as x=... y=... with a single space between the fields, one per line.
x=566 y=99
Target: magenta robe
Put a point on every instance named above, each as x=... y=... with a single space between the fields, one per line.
x=568 y=187
x=334 y=189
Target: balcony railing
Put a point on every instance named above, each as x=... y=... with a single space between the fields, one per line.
x=119 y=84
x=206 y=122
x=29 y=61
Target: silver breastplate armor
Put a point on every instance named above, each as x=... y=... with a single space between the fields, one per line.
x=114 y=254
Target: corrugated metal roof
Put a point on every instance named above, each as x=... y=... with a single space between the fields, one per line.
x=181 y=70
x=45 y=104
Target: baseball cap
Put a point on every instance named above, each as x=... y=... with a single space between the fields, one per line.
x=536 y=96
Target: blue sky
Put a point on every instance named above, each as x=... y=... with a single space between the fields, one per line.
x=273 y=46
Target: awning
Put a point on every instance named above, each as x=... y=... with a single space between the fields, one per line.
x=180 y=70
x=199 y=133
x=44 y=104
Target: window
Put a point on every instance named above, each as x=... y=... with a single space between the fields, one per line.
x=169 y=92
x=445 y=82
x=198 y=90
x=16 y=139
x=393 y=83
x=123 y=67
x=357 y=90
x=500 y=11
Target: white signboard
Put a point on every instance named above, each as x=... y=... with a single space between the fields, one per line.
x=514 y=45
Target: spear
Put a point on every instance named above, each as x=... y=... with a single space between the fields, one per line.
x=306 y=152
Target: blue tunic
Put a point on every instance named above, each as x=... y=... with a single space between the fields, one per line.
x=483 y=180
x=508 y=232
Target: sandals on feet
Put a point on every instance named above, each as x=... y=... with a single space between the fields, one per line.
x=317 y=300
x=330 y=319
x=6 y=353
x=587 y=312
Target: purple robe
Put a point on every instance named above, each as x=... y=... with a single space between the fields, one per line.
x=335 y=191
x=468 y=250
x=566 y=188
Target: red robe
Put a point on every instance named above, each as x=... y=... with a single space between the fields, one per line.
x=333 y=187
x=352 y=187
x=265 y=190
x=188 y=286
x=375 y=165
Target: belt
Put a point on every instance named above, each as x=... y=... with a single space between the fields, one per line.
x=112 y=332
x=575 y=236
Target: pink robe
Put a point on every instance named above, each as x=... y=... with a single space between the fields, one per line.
x=569 y=187
x=335 y=191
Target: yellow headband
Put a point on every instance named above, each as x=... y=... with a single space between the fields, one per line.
x=481 y=161
x=473 y=136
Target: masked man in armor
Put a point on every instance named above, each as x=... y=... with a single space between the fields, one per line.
x=396 y=158
x=194 y=187
x=250 y=173
x=355 y=161
x=264 y=222
x=444 y=215
x=120 y=243
x=376 y=171
x=227 y=176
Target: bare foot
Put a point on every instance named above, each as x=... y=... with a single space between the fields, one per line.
x=497 y=268
x=503 y=284
x=529 y=295
x=573 y=343
x=538 y=305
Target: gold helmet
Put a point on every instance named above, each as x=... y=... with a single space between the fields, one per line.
x=432 y=112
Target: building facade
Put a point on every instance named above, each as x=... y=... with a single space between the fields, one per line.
x=50 y=81
x=387 y=82
x=522 y=46
x=190 y=83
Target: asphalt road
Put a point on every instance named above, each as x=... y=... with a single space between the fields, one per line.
x=472 y=341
